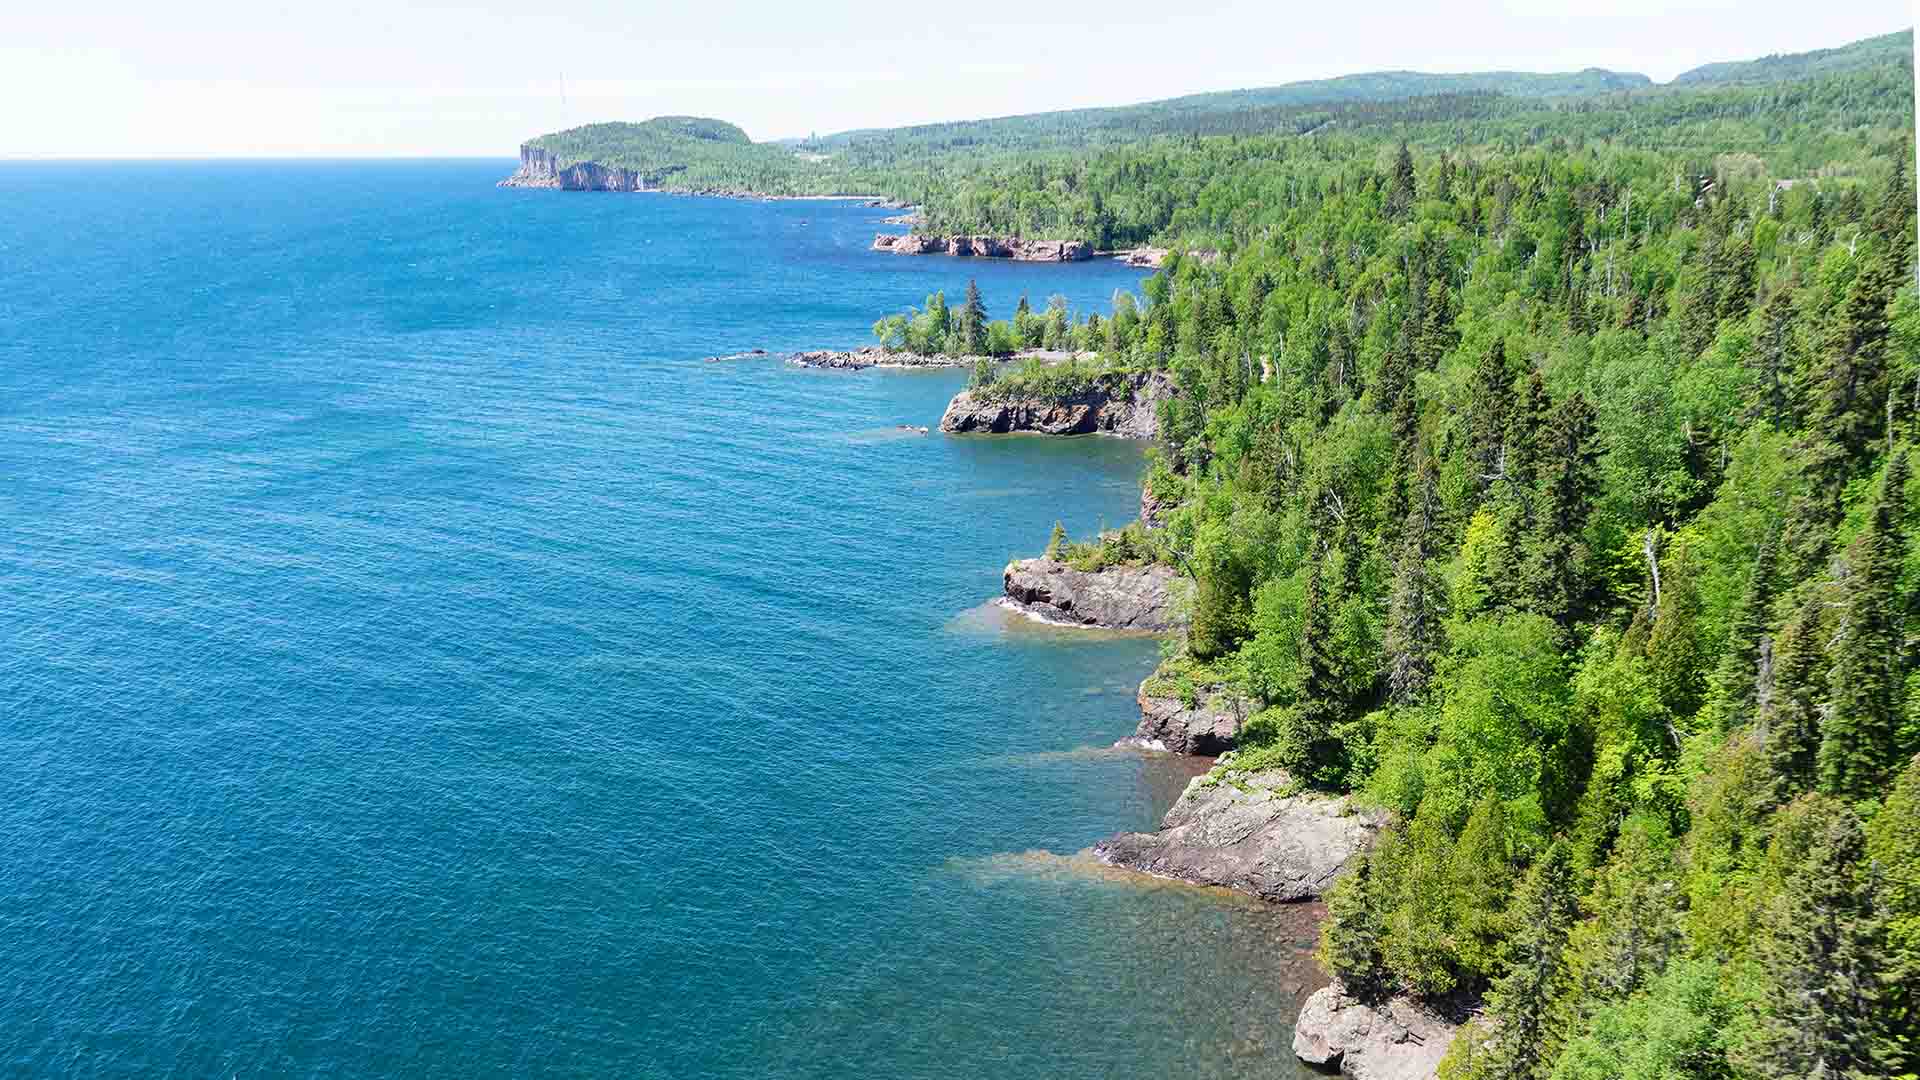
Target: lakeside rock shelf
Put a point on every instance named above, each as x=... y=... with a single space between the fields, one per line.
x=1242 y=833
x=1126 y=406
x=1116 y=598
x=1396 y=1039
x=985 y=247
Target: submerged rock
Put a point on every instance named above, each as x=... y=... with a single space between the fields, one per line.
x=1397 y=1039
x=1242 y=833
x=1126 y=405
x=1207 y=727
x=1116 y=598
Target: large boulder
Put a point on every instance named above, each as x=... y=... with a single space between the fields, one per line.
x=1243 y=832
x=1207 y=726
x=1115 y=598
x=1397 y=1039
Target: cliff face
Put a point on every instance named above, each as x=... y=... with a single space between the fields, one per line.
x=540 y=169
x=985 y=247
x=1209 y=727
x=1126 y=407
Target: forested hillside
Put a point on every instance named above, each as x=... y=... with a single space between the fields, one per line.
x=1200 y=170
x=1560 y=501
x=1872 y=52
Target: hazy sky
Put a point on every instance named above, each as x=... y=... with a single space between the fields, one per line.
x=131 y=78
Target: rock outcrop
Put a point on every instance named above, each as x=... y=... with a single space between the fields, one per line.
x=1241 y=833
x=1116 y=598
x=985 y=247
x=1123 y=404
x=872 y=356
x=541 y=169
x=1208 y=727
x=1397 y=1039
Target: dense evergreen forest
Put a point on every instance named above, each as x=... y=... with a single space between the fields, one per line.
x=1544 y=473
x=1560 y=500
x=1202 y=170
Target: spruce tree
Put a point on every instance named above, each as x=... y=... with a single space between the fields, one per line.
x=1525 y=444
x=1818 y=945
x=1350 y=938
x=1400 y=185
x=1893 y=853
x=1490 y=401
x=1771 y=362
x=1413 y=615
x=1788 y=702
x=973 y=321
x=1556 y=562
x=1482 y=882
x=1307 y=746
x=1521 y=1001
x=1860 y=740
x=1848 y=401
x=1736 y=679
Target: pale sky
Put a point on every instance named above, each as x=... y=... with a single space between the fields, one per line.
x=234 y=78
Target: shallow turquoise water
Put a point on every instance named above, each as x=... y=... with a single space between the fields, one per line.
x=415 y=660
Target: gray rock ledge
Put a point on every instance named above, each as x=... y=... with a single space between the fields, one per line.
x=1397 y=1039
x=1241 y=833
x=1207 y=728
x=1116 y=598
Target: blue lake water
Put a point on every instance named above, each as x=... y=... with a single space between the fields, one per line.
x=415 y=660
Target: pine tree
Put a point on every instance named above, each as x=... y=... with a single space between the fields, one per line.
x=1818 y=944
x=1057 y=542
x=1521 y=1001
x=1859 y=742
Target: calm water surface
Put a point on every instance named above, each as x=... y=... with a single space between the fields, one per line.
x=415 y=660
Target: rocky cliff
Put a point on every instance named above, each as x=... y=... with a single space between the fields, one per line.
x=985 y=247
x=1208 y=727
x=1396 y=1039
x=1116 y=598
x=1124 y=405
x=1242 y=833
x=540 y=169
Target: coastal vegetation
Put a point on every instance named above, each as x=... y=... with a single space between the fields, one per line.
x=1558 y=500
x=1202 y=170
x=1542 y=467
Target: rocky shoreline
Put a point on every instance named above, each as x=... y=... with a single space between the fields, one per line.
x=984 y=247
x=1395 y=1039
x=541 y=170
x=1126 y=405
x=1114 y=598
